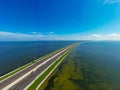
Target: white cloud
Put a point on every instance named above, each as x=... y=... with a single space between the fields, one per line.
x=97 y=35
x=9 y=36
x=51 y=32
x=110 y=1
x=112 y=36
x=12 y=36
x=39 y=33
x=36 y=33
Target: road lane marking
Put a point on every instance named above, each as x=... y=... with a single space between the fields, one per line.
x=19 y=79
x=50 y=72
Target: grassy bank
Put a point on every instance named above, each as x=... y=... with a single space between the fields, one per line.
x=80 y=73
x=27 y=65
x=44 y=75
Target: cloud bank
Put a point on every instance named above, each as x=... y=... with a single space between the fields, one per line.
x=110 y=1
x=112 y=36
x=12 y=36
x=34 y=36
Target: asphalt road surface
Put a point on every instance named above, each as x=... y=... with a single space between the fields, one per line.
x=21 y=84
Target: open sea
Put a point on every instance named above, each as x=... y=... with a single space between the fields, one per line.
x=90 y=66
x=16 y=54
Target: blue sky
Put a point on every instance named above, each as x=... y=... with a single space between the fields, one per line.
x=59 y=20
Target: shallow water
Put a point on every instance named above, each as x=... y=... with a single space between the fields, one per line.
x=90 y=66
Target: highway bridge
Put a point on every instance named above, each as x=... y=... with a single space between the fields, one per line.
x=23 y=79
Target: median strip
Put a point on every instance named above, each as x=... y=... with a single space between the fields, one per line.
x=28 y=73
x=4 y=77
x=38 y=82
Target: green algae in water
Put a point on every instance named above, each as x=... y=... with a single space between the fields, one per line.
x=81 y=72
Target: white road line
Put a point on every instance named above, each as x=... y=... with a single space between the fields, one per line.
x=15 y=73
x=40 y=75
x=19 y=79
x=37 y=60
x=49 y=73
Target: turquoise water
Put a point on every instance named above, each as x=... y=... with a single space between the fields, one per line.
x=16 y=54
